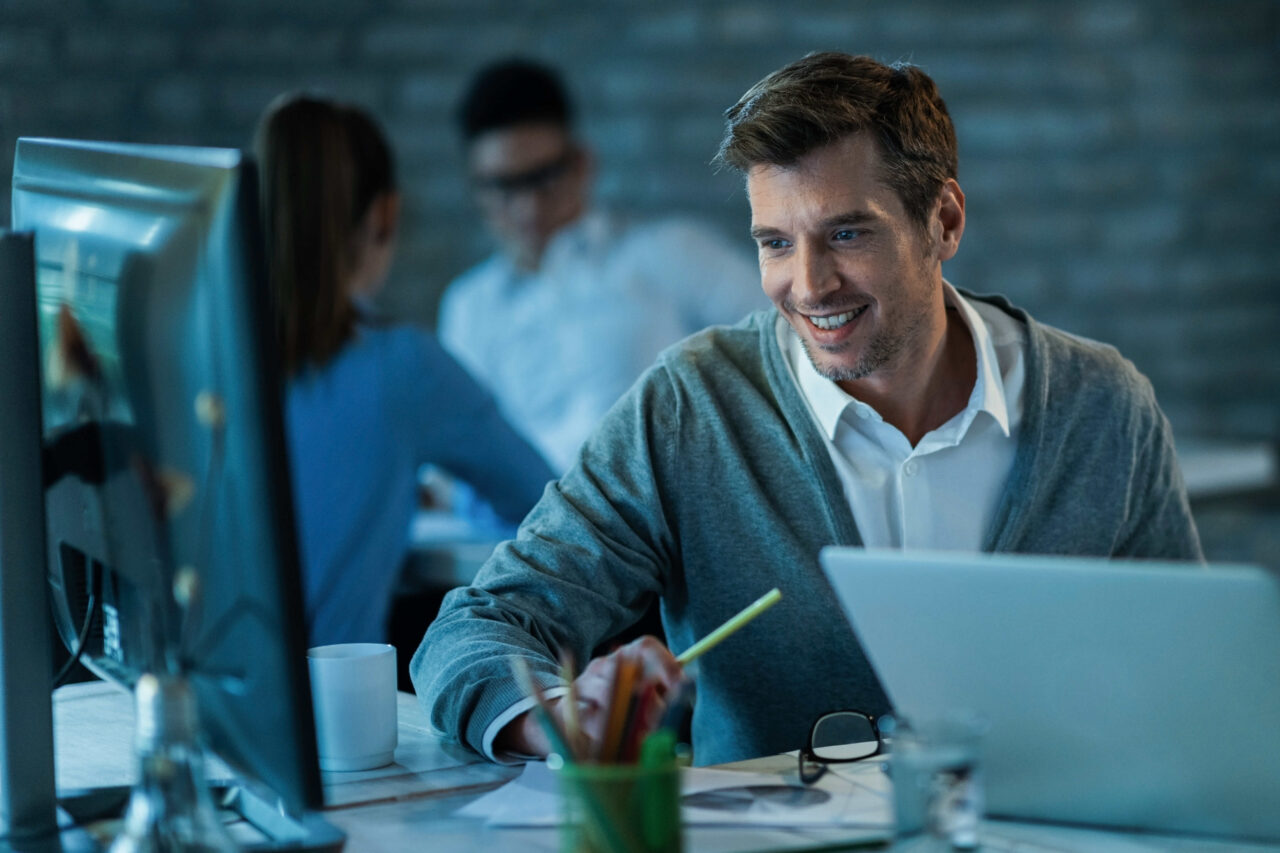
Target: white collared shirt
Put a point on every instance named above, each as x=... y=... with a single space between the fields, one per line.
x=558 y=346
x=944 y=492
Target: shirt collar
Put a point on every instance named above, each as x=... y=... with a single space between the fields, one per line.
x=988 y=388
x=590 y=229
x=829 y=401
x=593 y=228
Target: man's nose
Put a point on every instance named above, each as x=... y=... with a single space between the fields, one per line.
x=815 y=275
x=525 y=206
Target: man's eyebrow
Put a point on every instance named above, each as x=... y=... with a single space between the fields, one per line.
x=851 y=217
x=761 y=231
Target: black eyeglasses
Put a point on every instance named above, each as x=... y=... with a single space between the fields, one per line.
x=840 y=737
x=539 y=178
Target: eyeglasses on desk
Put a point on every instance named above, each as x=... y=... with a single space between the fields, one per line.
x=842 y=737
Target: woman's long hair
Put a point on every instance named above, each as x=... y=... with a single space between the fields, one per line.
x=322 y=165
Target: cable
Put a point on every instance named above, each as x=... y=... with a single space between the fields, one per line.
x=80 y=641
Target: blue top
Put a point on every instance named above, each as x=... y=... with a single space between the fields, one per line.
x=359 y=428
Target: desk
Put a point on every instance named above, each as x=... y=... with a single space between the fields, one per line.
x=1216 y=468
x=411 y=804
x=445 y=551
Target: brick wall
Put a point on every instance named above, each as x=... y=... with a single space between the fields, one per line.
x=1121 y=159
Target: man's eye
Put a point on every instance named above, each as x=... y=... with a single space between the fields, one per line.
x=844 y=234
x=775 y=244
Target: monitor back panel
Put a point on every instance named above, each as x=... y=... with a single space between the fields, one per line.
x=1125 y=694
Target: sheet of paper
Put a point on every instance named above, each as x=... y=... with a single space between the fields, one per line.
x=854 y=795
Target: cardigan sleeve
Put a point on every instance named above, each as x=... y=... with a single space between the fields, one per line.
x=586 y=564
x=1159 y=524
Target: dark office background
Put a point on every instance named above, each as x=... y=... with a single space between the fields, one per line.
x=1121 y=159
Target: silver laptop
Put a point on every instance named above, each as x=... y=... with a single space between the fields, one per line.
x=1125 y=694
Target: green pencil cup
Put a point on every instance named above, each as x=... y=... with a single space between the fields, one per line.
x=619 y=808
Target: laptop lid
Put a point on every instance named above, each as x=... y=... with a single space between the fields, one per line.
x=1126 y=694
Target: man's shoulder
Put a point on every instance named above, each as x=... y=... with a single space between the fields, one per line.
x=1087 y=359
x=1074 y=370
x=488 y=273
x=478 y=285
x=1060 y=350
x=714 y=348
x=1080 y=371
x=706 y=274
x=728 y=369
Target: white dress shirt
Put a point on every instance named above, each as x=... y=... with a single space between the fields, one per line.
x=943 y=493
x=558 y=346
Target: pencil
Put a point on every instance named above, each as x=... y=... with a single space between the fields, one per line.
x=620 y=702
x=617 y=834
x=717 y=636
x=542 y=713
x=572 y=728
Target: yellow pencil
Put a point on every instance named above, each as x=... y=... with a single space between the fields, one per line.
x=717 y=636
x=572 y=728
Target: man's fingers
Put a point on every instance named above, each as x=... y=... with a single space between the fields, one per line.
x=658 y=674
x=659 y=666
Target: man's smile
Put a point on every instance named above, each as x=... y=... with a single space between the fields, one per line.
x=835 y=321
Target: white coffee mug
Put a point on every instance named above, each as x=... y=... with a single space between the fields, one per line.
x=353 y=691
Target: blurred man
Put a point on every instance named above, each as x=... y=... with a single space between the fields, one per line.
x=577 y=302
x=875 y=404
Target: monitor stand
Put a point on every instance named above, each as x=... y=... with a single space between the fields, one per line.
x=309 y=833
x=277 y=831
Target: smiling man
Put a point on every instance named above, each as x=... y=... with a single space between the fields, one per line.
x=578 y=300
x=876 y=404
x=860 y=281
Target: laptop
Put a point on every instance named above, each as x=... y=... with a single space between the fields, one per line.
x=1126 y=694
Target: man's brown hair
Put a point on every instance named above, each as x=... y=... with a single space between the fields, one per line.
x=824 y=97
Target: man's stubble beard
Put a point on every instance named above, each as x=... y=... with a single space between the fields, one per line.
x=883 y=347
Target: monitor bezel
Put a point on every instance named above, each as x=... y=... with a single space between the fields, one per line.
x=191 y=172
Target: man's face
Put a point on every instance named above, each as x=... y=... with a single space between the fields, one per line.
x=859 y=282
x=530 y=181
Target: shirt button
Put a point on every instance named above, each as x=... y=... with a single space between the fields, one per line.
x=910 y=469
x=862 y=413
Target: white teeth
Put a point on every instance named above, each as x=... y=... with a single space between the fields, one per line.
x=835 y=322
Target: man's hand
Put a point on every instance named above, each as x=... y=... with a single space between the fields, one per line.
x=657 y=676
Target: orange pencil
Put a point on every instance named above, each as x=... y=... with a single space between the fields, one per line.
x=619 y=704
x=637 y=720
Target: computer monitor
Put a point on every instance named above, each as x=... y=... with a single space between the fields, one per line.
x=170 y=535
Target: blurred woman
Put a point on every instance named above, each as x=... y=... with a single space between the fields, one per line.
x=367 y=404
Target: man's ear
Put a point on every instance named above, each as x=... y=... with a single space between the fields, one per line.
x=949 y=219
x=585 y=165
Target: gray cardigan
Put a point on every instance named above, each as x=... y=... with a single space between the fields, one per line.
x=708 y=484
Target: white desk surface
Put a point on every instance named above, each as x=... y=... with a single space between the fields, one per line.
x=1223 y=467
x=411 y=803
